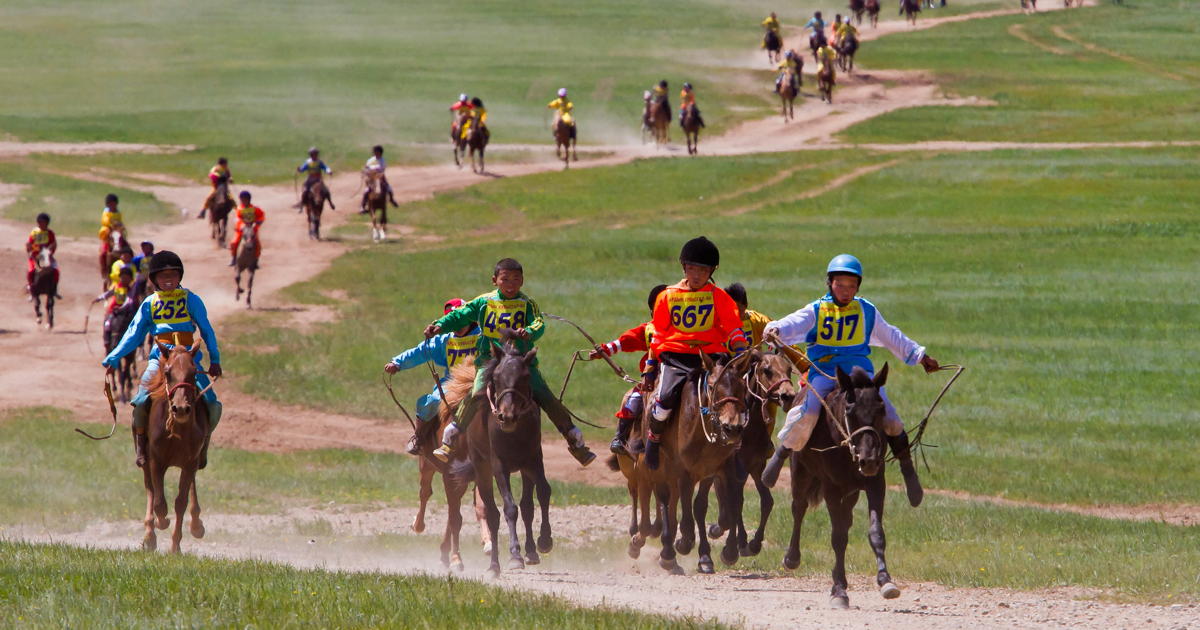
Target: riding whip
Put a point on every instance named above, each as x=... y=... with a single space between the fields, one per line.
x=112 y=408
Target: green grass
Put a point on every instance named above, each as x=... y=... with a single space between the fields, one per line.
x=1060 y=279
x=75 y=205
x=54 y=586
x=1082 y=95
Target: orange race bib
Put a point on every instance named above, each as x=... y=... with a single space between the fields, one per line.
x=503 y=314
x=691 y=312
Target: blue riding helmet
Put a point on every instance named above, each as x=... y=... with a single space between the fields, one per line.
x=845 y=263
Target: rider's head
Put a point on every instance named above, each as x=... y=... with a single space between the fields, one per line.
x=477 y=102
x=772 y=14
x=313 y=152
x=508 y=276
x=110 y=200
x=462 y=98
x=663 y=84
x=737 y=292
x=377 y=150
x=562 y=92
x=817 y=15
x=837 y=18
x=126 y=254
x=687 y=86
x=166 y=270
x=43 y=220
x=653 y=297
x=244 y=196
x=790 y=54
x=843 y=276
x=699 y=258
x=125 y=275
x=451 y=304
x=147 y=248
x=222 y=161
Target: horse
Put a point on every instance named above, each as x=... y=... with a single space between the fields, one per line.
x=691 y=129
x=910 y=9
x=246 y=260
x=113 y=330
x=458 y=141
x=825 y=83
x=477 y=141
x=774 y=45
x=457 y=474
x=626 y=464
x=789 y=87
x=857 y=7
x=844 y=457
x=177 y=431
x=219 y=207
x=873 y=12
x=507 y=438
x=697 y=445
x=376 y=204
x=43 y=284
x=846 y=51
x=108 y=254
x=564 y=142
x=313 y=201
x=815 y=42
x=658 y=118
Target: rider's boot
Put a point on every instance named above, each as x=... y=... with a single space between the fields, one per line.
x=903 y=453
x=770 y=473
x=140 y=442
x=577 y=448
x=624 y=425
x=658 y=425
x=442 y=453
x=214 y=416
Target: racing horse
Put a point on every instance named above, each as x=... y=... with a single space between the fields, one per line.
x=691 y=129
x=825 y=83
x=506 y=438
x=844 y=457
x=845 y=52
x=313 y=202
x=477 y=141
x=246 y=260
x=857 y=7
x=44 y=284
x=815 y=42
x=111 y=242
x=114 y=328
x=218 y=210
x=376 y=204
x=564 y=141
x=789 y=87
x=910 y=9
x=176 y=433
x=657 y=118
x=774 y=45
x=873 y=12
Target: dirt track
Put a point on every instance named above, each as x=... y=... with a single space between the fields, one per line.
x=51 y=359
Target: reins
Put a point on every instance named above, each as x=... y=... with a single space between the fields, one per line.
x=707 y=411
x=387 y=383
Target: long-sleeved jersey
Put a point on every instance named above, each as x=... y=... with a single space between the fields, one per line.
x=841 y=336
x=687 y=321
x=445 y=351
x=493 y=312
x=163 y=313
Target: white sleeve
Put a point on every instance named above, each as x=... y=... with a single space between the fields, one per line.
x=794 y=328
x=890 y=337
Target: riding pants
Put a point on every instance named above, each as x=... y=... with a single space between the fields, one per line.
x=675 y=371
x=541 y=395
x=802 y=418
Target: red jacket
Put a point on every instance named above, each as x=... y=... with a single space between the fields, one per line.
x=687 y=321
x=636 y=339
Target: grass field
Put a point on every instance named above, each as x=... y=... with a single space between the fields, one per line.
x=53 y=586
x=75 y=205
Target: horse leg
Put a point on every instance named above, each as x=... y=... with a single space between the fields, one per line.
x=486 y=536
x=237 y=281
x=841 y=517
x=631 y=487
x=545 y=541
x=453 y=521
x=791 y=559
x=722 y=524
x=687 y=522
x=250 y=286
x=637 y=538
x=426 y=471
x=37 y=308
x=503 y=485
x=876 y=493
x=160 y=499
x=668 y=495
x=527 y=492
x=149 y=540
x=766 y=503
x=50 y=309
x=483 y=485
x=700 y=510
x=196 y=527
x=186 y=477
x=734 y=495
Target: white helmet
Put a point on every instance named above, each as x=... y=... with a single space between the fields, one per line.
x=562 y=92
x=462 y=97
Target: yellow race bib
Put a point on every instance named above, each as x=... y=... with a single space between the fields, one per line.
x=691 y=312
x=41 y=237
x=841 y=326
x=460 y=349
x=503 y=314
x=170 y=307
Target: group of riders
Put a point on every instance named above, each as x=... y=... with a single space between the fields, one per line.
x=690 y=317
x=843 y=39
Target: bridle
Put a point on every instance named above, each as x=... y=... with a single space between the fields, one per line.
x=708 y=412
x=524 y=400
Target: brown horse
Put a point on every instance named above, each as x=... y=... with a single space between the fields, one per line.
x=506 y=437
x=846 y=51
x=313 y=201
x=109 y=249
x=691 y=129
x=774 y=45
x=44 y=284
x=564 y=142
x=873 y=12
x=910 y=9
x=789 y=87
x=177 y=430
x=825 y=83
x=843 y=458
x=697 y=446
x=246 y=260
x=658 y=119
x=376 y=204
x=457 y=474
x=857 y=7
x=220 y=204
x=477 y=141
x=626 y=464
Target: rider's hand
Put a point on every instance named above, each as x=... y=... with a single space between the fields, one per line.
x=521 y=333
x=391 y=368
x=930 y=364
x=603 y=350
x=432 y=330
x=214 y=370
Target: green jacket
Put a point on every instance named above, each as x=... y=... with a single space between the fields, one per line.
x=492 y=313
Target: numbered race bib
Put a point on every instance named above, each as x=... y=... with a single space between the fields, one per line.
x=460 y=349
x=503 y=314
x=247 y=214
x=41 y=237
x=691 y=312
x=170 y=307
x=841 y=326
x=649 y=330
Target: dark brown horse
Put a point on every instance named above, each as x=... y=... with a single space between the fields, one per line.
x=564 y=142
x=246 y=261
x=376 y=204
x=873 y=12
x=178 y=427
x=846 y=51
x=313 y=201
x=857 y=7
x=506 y=438
x=910 y=9
x=457 y=474
x=843 y=458
x=44 y=284
x=697 y=445
x=113 y=330
x=774 y=45
x=477 y=141
x=691 y=129
x=218 y=210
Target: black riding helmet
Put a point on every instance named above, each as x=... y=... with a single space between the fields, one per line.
x=110 y=198
x=163 y=261
x=700 y=251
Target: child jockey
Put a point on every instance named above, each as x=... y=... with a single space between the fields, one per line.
x=460 y=110
x=753 y=322
x=563 y=110
x=121 y=295
x=316 y=170
x=377 y=165
x=687 y=102
x=636 y=339
x=124 y=262
x=217 y=175
x=445 y=351
x=40 y=238
x=172 y=313
x=506 y=307
x=839 y=329
x=110 y=217
x=691 y=316
x=141 y=263
x=246 y=214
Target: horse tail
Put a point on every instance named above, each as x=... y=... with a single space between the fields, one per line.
x=612 y=463
x=812 y=493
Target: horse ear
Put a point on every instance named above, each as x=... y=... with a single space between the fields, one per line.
x=162 y=350
x=496 y=346
x=195 y=345
x=881 y=377
x=706 y=361
x=531 y=356
x=742 y=363
x=845 y=383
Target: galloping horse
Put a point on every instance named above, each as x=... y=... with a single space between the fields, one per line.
x=114 y=329
x=457 y=474
x=376 y=204
x=843 y=458
x=774 y=45
x=507 y=438
x=477 y=141
x=313 y=202
x=873 y=12
x=691 y=129
x=459 y=140
x=857 y=7
x=564 y=142
x=218 y=213
x=658 y=119
x=825 y=83
x=178 y=427
x=108 y=254
x=697 y=445
x=246 y=260
x=787 y=93
x=815 y=42
x=846 y=51
x=44 y=284
x=910 y=8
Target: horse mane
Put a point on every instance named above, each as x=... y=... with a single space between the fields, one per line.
x=860 y=378
x=457 y=388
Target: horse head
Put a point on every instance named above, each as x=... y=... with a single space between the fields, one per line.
x=863 y=409
x=771 y=378
x=43 y=258
x=178 y=367
x=509 y=393
x=725 y=400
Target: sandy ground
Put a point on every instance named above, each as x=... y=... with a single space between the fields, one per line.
x=54 y=369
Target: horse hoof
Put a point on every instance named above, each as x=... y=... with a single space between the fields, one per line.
x=149 y=543
x=706 y=566
x=418 y=526
x=545 y=544
x=487 y=547
x=683 y=546
x=744 y=551
x=197 y=530
x=634 y=551
x=790 y=562
x=456 y=563
x=889 y=591
x=754 y=547
x=715 y=531
x=162 y=523
x=494 y=571
x=840 y=603
x=670 y=566
x=532 y=558
x=729 y=555
x=516 y=564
